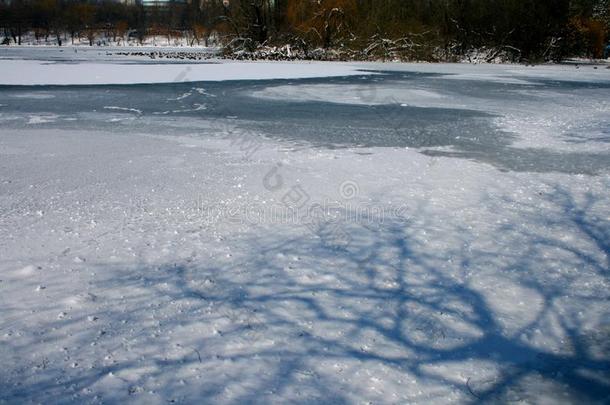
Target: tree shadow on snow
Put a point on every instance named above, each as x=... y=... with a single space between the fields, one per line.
x=410 y=307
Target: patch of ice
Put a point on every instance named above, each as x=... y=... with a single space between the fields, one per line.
x=27 y=271
x=487 y=77
x=33 y=72
x=36 y=96
x=203 y=92
x=365 y=94
x=498 y=72
x=196 y=107
x=42 y=119
x=135 y=110
x=181 y=97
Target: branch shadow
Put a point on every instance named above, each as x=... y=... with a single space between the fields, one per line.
x=401 y=314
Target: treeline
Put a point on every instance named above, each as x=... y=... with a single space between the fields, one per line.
x=526 y=30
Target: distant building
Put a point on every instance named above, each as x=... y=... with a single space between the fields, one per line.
x=161 y=3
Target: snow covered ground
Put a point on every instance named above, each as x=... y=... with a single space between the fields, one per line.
x=309 y=233
x=58 y=66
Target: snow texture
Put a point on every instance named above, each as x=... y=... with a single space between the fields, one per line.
x=56 y=66
x=150 y=251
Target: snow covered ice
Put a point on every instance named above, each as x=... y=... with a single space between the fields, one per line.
x=302 y=232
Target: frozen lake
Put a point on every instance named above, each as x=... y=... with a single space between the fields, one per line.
x=302 y=232
x=470 y=118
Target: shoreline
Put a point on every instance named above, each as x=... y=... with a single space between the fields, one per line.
x=176 y=53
